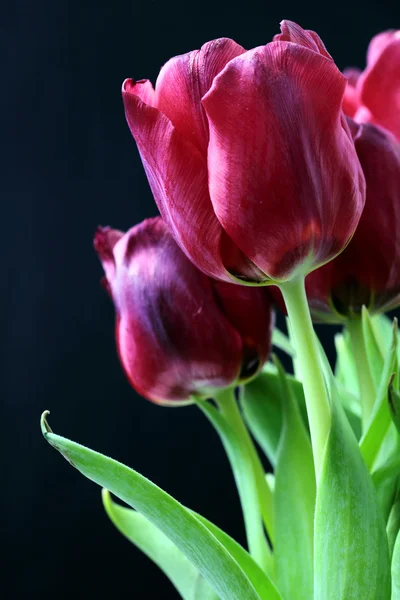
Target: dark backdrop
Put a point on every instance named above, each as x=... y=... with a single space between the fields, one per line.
x=69 y=163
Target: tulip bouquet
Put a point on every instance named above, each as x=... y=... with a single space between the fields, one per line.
x=277 y=178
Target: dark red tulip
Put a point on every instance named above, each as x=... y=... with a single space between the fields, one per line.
x=373 y=96
x=178 y=332
x=368 y=270
x=249 y=157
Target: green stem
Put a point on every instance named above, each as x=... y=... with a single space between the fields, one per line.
x=307 y=355
x=366 y=386
x=254 y=492
x=230 y=410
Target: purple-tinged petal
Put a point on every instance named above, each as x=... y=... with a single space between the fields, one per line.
x=177 y=174
x=292 y=32
x=284 y=178
x=379 y=85
x=185 y=79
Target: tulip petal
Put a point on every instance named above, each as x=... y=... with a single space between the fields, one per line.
x=276 y=142
x=142 y=89
x=378 y=44
x=177 y=174
x=185 y=79
x=379 y=85
x=352 y=74
x=367 y=272
x=104 y=241
x=173 y=339
x=247 y=308
x=292 y=32
x=351 y=100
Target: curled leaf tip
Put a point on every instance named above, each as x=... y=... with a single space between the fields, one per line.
x=45 y=427
x=105 y=496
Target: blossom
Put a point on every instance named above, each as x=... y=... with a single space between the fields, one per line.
x=368 y=270
x=249 y=156
x=179 y=333
x=373 y=96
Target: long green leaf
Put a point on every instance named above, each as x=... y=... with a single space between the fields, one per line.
x=383 y=328
x=196 y=542
x=262 y=409
x=385 y=480
x=345 y=368
x=394 y=405
x=336 y=387
x=250 y=481
x=281 y=341
x=351 y=555
x=380 y=418
x=396 y=569
x=294 y=502
x=263 y=585
x=374 y=354
x=156 y=545
x=393 y=526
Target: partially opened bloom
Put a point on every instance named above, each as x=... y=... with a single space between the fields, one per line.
x=368 y=270
x=373 y=96
x=178 y=332
x=249 y=157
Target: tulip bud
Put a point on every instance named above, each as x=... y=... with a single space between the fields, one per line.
x=373 y=96
x=249 y=157
x=368 y=270
x=179 y=333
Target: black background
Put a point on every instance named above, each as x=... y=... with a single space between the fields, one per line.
x=69 y=163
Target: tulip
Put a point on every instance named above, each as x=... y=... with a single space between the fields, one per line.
x=373 y=96
x=249 y=157
x=179 y=333
x=368 y=271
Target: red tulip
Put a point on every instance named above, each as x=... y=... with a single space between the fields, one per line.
x=178 y=332
x=249 y=157
x=373 y=96
x=368 y=271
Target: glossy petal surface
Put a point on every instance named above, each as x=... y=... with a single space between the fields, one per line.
x=175 y=336
x=368 y=270
x=177 y=174
x=284 y=178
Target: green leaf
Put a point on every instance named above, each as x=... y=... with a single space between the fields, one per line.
x=294 y=501
x=263 y=585
x=394 y=403
x=393 y=525
x=281 y=341
x=262 y=410
x=156 y=545
x=380 y=419
x=351 y=555
x=374 y=354
x=352 y=411
x=385 y=480
x=396 y=570
x=383 y=328
x=345 y=368
x=390 y=447
x=254 y=492
x=190 y=536
x=203 y=591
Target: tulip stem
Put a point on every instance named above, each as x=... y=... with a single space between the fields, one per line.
x=254 y=492
x=366 y=385
x=310 y=368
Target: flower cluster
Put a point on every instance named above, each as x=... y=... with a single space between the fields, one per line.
x=277 y=178
x=260 y=162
